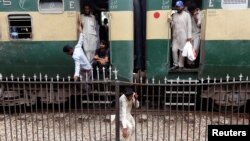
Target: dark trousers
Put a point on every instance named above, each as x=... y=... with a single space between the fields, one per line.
x=100 y=67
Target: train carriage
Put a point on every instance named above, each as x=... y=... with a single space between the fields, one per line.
x=224 y=40
x=32 y=34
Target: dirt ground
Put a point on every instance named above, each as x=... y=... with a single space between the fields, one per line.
x=90 y=127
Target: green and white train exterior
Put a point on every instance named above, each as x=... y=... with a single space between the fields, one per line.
x=225 y=38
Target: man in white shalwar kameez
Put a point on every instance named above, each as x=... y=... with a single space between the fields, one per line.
x=182 y=33
x=196 y=26
x=89 y=25
x=127 y=101
x=196 y=29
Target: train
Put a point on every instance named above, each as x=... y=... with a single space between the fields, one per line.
x=33 y=32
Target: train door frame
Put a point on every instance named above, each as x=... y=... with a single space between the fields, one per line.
x=97 y=7
x=196 y=65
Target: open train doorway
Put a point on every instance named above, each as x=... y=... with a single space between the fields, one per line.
x=182 y=32
x=99 y=10
x=95 y=27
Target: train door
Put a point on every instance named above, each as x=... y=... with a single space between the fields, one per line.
x=117 y=16
x=194 y=9
x=159 y=41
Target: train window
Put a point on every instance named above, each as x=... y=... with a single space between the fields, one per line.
x=20 y=26
x=50 y=6
x=234 y=4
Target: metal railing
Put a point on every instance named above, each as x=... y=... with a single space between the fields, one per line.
x=172 y=110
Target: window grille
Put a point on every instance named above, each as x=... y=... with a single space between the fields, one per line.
x=51 y=6
x=20 y=26
x=234 y=4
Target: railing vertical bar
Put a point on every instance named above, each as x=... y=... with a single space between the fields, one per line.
x=15 y=112
x=20 y=109
x=64 y=110
x=117 y=109
x=25 y=112
x=47 y=105
x=153 y=106
x=189 y=101
x=245 y=105
x=4 y=116
x=164 y=108
x=182 y=111
x=42 y=109
x=69 y=92
x=170 y=110
x=75 y=109
x=212 y=112
x=136 y=90
x=141 y=108
x=53 y=107
x=177 y=111
x=220 y=102
x=37 y=129
x=81 y=106
x=238 y=101
x=232 y=106
x=88 y=116
x=200 y=113
x=158 y=112
x=106 y=88
x=93 y=117
x=31 y=113
x=99 y=99
x=225 y=112
x=147 y=97
x=207 y=107
x=195 y=108
x=59 y=110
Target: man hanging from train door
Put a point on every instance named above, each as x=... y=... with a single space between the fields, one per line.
x=182 y=33
x=196 y=29
x=89 y=24
x=82 y=65
x=127 y=101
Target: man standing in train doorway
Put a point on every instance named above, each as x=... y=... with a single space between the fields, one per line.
x=127 y=101
x=89 y=24
x=182 y=33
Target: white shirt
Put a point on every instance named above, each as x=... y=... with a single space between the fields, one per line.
x=89 y=24
x=182 y=29
x=125 y=109
x=196 y=25
x=81 y=61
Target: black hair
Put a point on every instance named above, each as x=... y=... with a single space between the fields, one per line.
x=192 y=7
x=67 y=48
x=88 y=4
x=105 y=21
x=128 y=91
x=103 y=42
